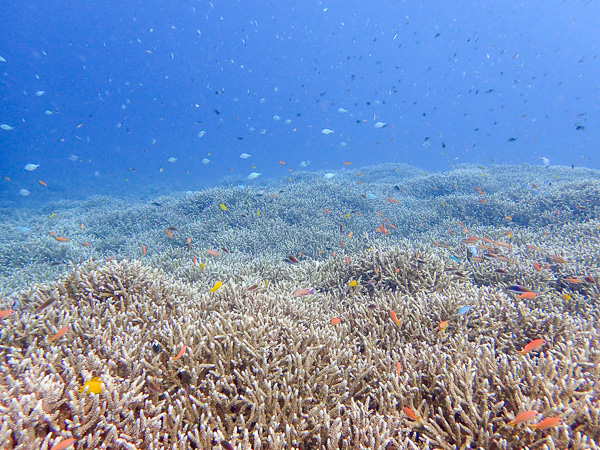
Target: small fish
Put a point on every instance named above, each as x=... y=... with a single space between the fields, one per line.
x=523 y=417
x=223 y=207
x=443 y=325
x=326 y=131
x=335 y=321
x=180 y=354
x=225 y=250
x=24 y=192
x=394 y=318
x=342 y=110
x=411 y=415
x=292 y=259
x=169 y=234
x=45 y=304
x=302 y=292
x=533 y=345
x=154 y=386
x=173 y=229
x=216 y=286
x=195 y=260
x=544 y=424
x=172 y=159
x=573 y=280
x=6 y=127
x=59 y=334
x=31 y=167
x=253 y=175
x=62 y=445
x=518 y=288
x=4 y=314
x=527 y=295
x=143 y=250
x=245 y=155
x=463 y=310
x=212 y=252
x=328 y=175
x=61 y=239
x=565 y=297
x=94 y=386
x=352 y=283
x=536 y=267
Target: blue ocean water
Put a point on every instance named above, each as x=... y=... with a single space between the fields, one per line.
x=102 y=95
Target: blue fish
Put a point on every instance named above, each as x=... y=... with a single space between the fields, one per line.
x=463 y=310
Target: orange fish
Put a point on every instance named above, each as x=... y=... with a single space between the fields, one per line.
x=62 y=445
x=394 y=318
x=4 y=314
x=143 y=250
x=573 y=280
x=398 y=367
x=61 y=239
x=537 y=267
x=411 y=415
x=195 y=260
x=59 y=334
x=527 y=295
x=51 y=233
x=42 y=183
x=335 y=321
x=282 y=163
x=533 y=345
x=327 y=211
x=346 y=163
x=450 y=231
x=378 y=213
x=531 y=247
x=180 y=354
x=168 y=233
x=546 y=423
x=523 y=417
x=86 y=244
x=212 y=253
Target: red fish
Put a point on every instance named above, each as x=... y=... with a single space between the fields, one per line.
x=4 y=314
x=533 y=345
x=523 y=417
x=547 y=423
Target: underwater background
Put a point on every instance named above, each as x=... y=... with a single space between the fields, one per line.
x=102 y=95
x=299 y=225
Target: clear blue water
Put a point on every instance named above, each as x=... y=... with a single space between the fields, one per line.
x=124 y=86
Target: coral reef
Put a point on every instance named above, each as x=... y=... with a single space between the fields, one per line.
x=253 y=366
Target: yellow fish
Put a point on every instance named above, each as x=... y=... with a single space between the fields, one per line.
x=94 y=386
x=222 y=206
x=217 y=285
x=52 y=216
x=202 y=265
x=443 y=203
x=565 y=297
x=352 y=283
x=258 y=212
